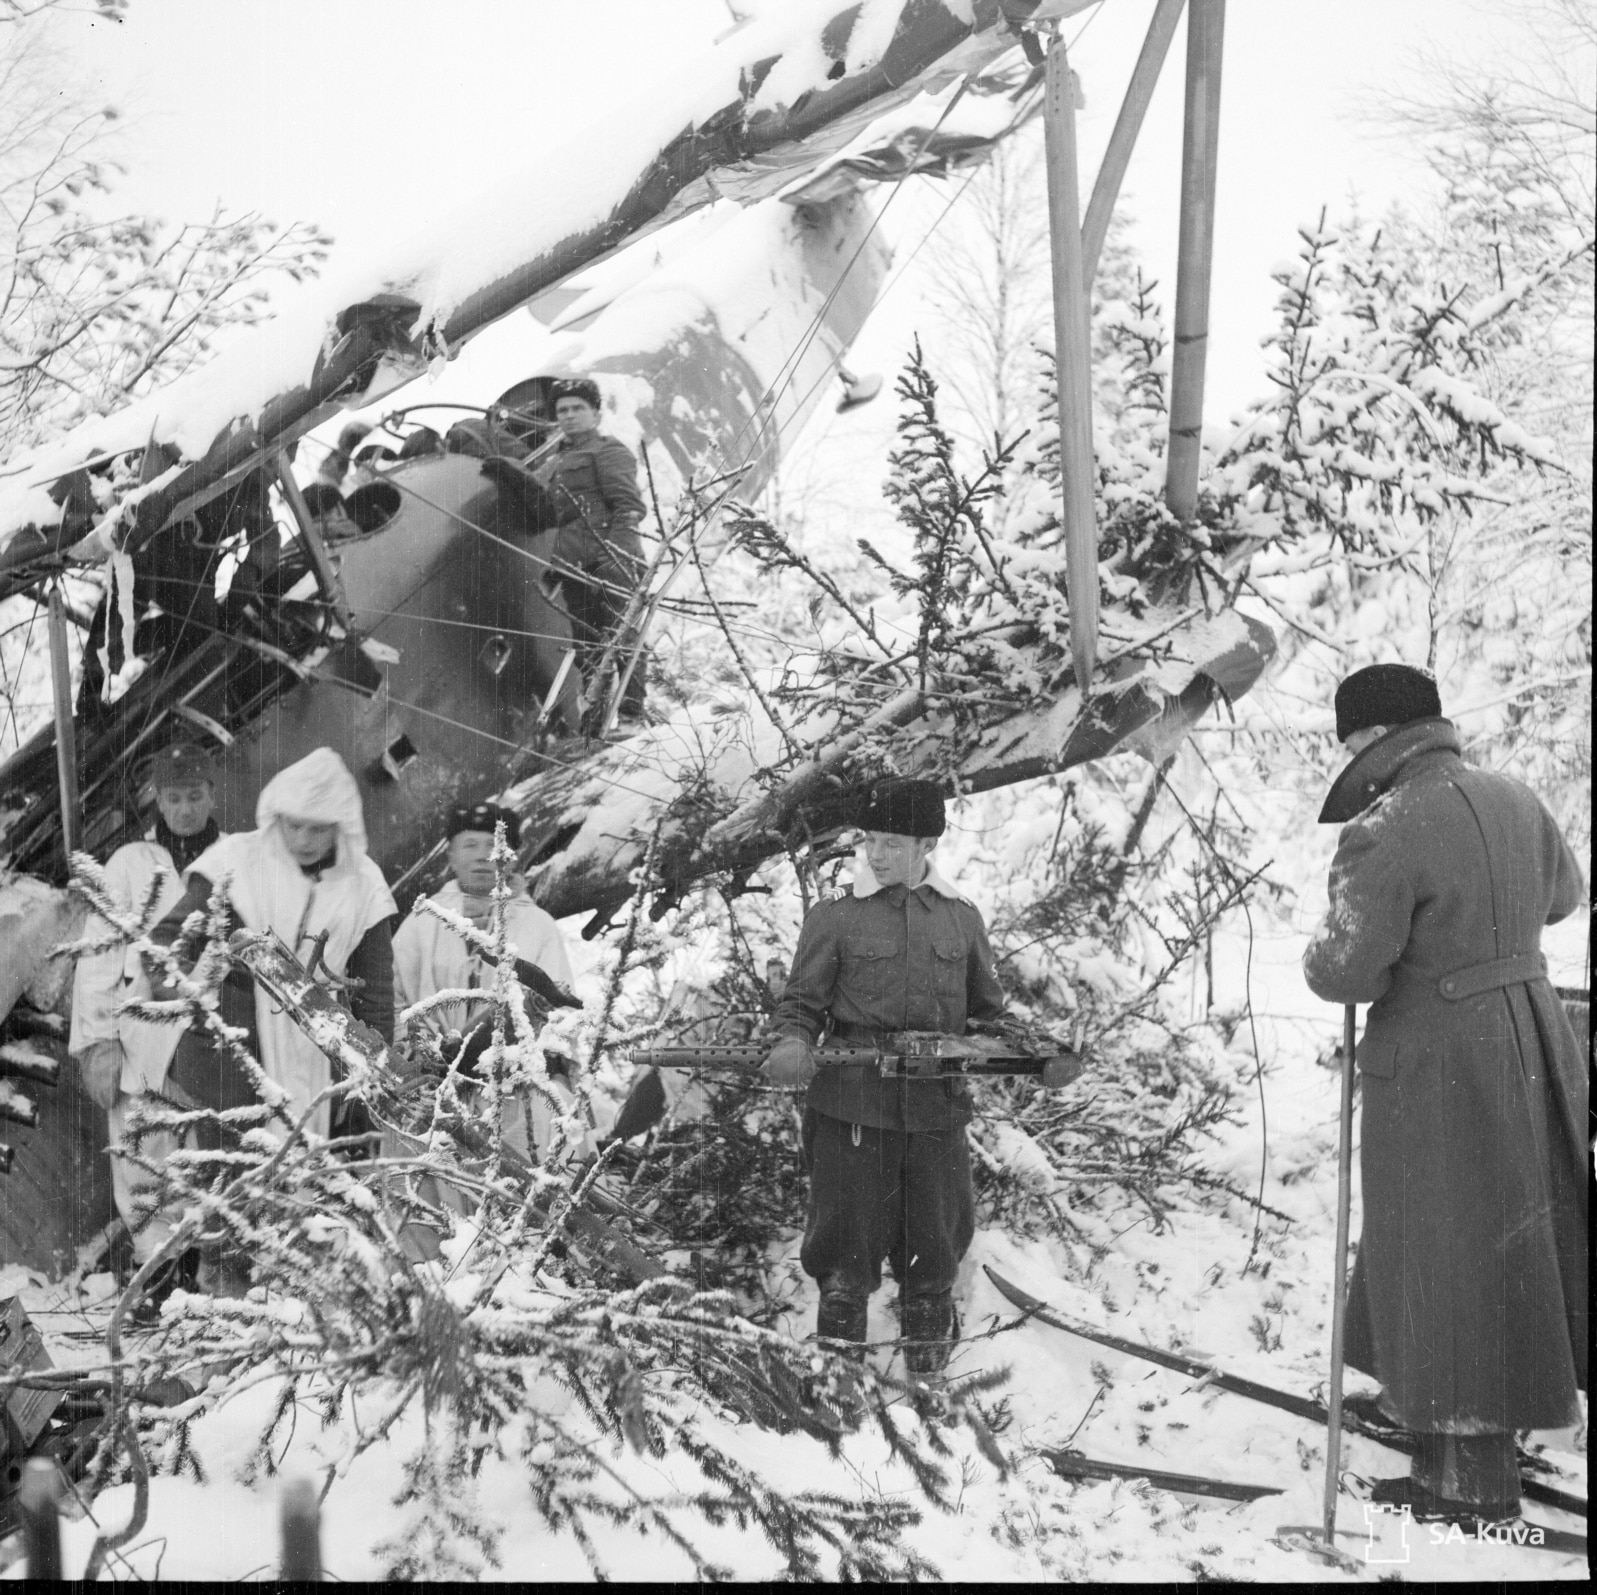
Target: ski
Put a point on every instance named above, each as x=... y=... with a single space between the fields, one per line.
x=1521 y=1532
x=1073 y=1465
x=1283 y=1400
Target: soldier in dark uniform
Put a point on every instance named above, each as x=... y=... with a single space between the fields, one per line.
x=1469 y=1297
x=889 y=1165
x=592 y=481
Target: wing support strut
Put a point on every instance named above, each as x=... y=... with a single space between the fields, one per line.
x=1199 y=159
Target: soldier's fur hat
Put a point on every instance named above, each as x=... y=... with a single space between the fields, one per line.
x=584 y=388
x=1385 y=695
x=483 y=817
x=903 y=807
x=182 y=764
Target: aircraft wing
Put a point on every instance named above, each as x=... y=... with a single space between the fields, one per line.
x=784 y=98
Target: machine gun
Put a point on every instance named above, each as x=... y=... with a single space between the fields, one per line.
x=901 y=1054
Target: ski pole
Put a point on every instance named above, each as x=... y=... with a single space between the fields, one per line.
x=1344 y=1197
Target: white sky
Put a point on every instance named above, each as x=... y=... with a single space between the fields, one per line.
x=363 y=114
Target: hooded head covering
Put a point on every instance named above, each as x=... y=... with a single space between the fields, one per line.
x=268 y=890
x=319 y=789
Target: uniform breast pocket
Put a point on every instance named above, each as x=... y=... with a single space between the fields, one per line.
x=948 y=973
x=580 y=479
x=870 y=969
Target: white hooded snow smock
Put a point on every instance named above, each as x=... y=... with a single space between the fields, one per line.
x=269 y=891
x=429 y=957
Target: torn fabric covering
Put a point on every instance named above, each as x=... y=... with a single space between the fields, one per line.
x=119 y=587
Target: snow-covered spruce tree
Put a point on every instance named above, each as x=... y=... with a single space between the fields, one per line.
x=1512 y=145
x=972 y=616
x=1420 y=476
x=989 y=303
x=98 y=306
x=1108 y=882
x=1395 y=502
x=546 y=1343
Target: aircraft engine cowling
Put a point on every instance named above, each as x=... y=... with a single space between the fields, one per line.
x=460 y=634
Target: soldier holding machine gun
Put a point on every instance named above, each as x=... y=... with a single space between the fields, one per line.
x=429 y=957
x=889 y=1165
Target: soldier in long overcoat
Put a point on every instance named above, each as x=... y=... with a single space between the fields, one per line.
x=1468 y=1299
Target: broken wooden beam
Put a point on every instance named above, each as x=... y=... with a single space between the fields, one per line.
x=301 y=1527
x=66 y=742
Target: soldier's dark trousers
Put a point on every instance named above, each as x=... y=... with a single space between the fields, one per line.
x=597 y=608
x=886 y=1194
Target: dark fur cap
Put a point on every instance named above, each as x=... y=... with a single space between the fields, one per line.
x=903 y=807
x=584 y=388
x=1385 y=695
x=483 y=817
x=182 y=764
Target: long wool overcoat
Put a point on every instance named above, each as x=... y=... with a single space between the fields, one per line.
x=1468 y=1299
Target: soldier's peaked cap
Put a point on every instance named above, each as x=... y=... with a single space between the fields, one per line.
x=903 y=807
x=1385 y=695
x=182 y=764
x=483 y=817
x=584 y=388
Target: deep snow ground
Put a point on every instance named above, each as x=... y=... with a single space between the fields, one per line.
x=1189 y=1286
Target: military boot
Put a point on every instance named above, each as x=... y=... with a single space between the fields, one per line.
x=221 y=1271
x=841 y=1316
x=840 y=1321
x=930 y=1326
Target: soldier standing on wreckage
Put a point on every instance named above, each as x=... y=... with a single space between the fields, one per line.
x=587 y=493
x=593 y=479
x=122 y=1059
x=888 y=1161
x=1468 y=1299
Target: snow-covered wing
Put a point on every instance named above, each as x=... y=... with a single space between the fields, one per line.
x=777 y=97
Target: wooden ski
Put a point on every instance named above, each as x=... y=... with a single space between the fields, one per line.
x=1283 y=1400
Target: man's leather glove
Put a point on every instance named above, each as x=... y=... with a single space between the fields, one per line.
x=100 y=1068
x=789 y=1063
x=1062 y=1070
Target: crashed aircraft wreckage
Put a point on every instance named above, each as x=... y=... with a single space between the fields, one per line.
x=408 y=624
